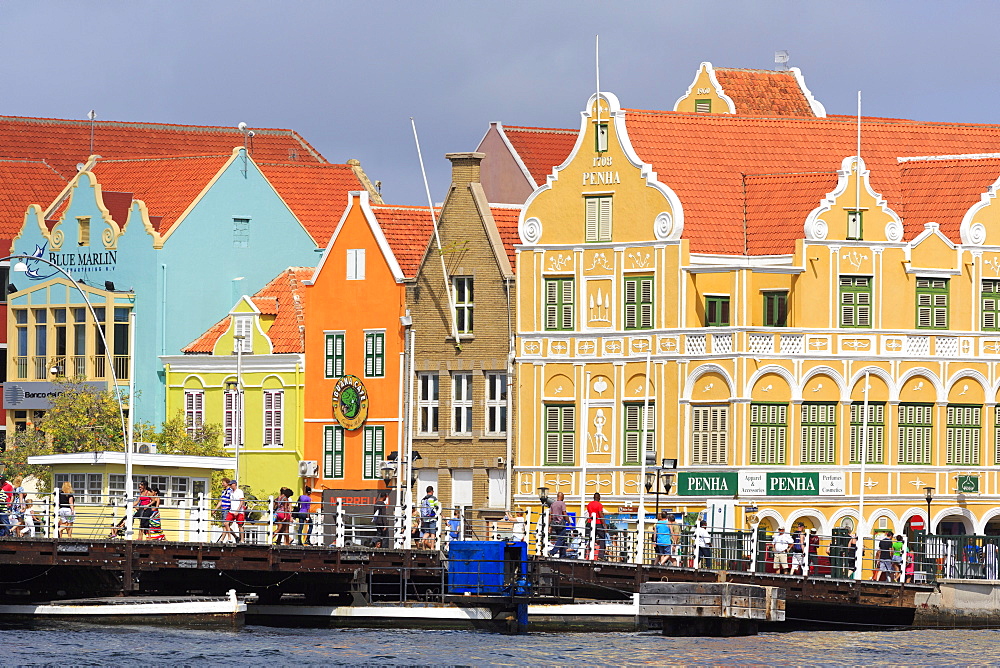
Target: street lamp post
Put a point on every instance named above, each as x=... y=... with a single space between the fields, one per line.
x=238 y=400
x=928 y=496
x=22 y=267
x=661 y=478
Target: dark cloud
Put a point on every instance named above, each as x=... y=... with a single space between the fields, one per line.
x=349 y=75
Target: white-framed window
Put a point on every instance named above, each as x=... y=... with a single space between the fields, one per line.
x=427 y=402
x=241 y=232
x=355 y=264
x=232 y=422
x=161 y=483
x=461 y=487
x=598 y=218
x=334 y=355
x=709 y=434
x=462 y=291
x=461 y=404
x=374 y=354
x=194 y=411
x=180 y=490
x=243 y=333
x=87 y=487
x=274 y=417
x=496 y=403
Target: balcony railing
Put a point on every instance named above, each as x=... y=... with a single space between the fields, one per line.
x=713 y=341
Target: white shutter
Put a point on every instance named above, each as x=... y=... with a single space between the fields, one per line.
x=593 y=214
x=551 y=304
x=552 y=441
x=604 y=227
x=646 y=303
x=329 y=370
x=568 y=434
x=567 y=304
x=631 y=303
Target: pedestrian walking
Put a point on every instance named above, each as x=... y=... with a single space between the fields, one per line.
x=664 y=539
x=282 y=517
x=558 y=526
x=781 y=543
x=595 y=522
x=381 y=519
x=67 y=510
x=301 y=512
x=237 y=509
x=703 y=544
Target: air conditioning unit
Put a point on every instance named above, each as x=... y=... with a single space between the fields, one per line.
x=142 y=448
x=308 y=469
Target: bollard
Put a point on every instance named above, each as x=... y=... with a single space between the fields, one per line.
x=339 y=523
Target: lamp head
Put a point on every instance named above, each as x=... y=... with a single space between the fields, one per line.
x=543 y=495
x=929 y=494
x=669 y=463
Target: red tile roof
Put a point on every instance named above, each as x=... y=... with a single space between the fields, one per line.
x=65 y=143
x=763 y=92
x=167 y=185
x=316 y=194
x=777 y=206
x=541 y=149
x=709 y=160
x=24 y=182
x=703 y=158
x=282 y=298
x=943 y=190
x=506 y=218
x=408 y=230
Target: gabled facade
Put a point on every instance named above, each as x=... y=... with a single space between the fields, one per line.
x=754 y=317
x=463 y=423
x=259 y=348
x=355 y=341
x=182 y=237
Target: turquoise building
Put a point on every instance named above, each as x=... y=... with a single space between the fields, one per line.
x=174 y=241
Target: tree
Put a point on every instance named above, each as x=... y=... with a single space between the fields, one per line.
x=82 y=418
x=174 y=438
x=20 y=446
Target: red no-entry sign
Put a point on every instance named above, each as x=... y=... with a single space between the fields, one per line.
x=917 y=523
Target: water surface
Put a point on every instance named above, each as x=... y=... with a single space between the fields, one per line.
x=81 y=644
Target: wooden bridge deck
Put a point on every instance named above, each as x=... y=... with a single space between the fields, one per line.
x=49 y=569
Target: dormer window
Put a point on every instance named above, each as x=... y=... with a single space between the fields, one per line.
x=83 y=231
x=703 y=106
x=854 y=225
x=602 y=137
x=242 y=333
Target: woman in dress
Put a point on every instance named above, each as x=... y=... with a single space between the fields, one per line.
x=142 y=508
x=67 y=510
x=155 y=531
x=283 y=517
x=17 y=508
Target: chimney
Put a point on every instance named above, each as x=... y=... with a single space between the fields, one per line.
x=464 y=167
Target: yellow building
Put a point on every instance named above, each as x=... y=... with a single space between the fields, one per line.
x=246 y=373
x=734 y=272
x=98 y=482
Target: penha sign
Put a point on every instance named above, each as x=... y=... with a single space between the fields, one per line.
x=760 y=483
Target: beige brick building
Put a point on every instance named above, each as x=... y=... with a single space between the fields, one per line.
x=462 y=419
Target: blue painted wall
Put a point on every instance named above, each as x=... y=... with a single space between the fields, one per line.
x=189 y=284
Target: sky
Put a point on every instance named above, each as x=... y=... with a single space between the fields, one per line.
x=348 y=76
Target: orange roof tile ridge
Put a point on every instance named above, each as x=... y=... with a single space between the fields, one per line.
x=35 y=160
x=558 y=131
x=749 y=69
x=40 y=120
x=958 y=156
x=162 y=158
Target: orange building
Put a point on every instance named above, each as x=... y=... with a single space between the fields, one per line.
x=355 y=343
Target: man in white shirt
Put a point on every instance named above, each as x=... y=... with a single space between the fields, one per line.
x=237 y=509
x=703 y=544
x=779 y=546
